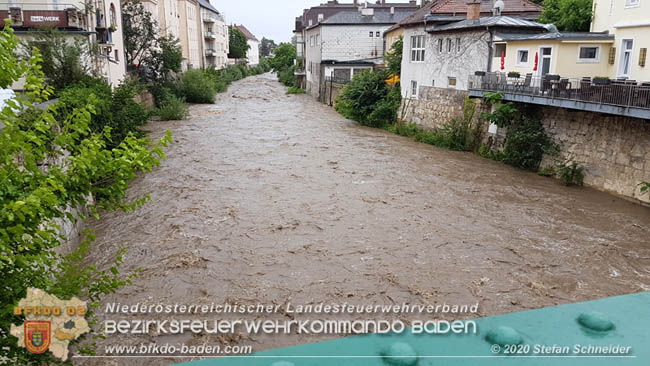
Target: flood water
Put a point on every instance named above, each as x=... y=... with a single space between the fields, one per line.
x=273 y=198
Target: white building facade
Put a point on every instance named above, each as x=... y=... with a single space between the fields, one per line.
x=215 y=36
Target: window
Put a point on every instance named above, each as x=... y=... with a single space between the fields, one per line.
x=451 y=82
x=417 y=48
x=499 y=49
x=589 y=54
x=321 y=17
x=317 y=40
x=117 y=55
x=626 y=57
x=372 y=34
x=440 y=45
x=414 y=88
x=378 y=34
x=113 y=15
x=311 y=41
x=450 y=45
x=631 y=3
x=433 y=83
x=458 y=45
x=522 y=57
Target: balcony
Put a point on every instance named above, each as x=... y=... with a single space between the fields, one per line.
x=210 y=52
x=619 y=97
x=210 y=35
x=35 y=15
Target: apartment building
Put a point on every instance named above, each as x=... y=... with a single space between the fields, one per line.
x=102 y=25
x=215 y=36
x=190 y=36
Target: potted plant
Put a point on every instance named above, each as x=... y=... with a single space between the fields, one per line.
x=112 y=28
x=514 y=74
x=602 y=80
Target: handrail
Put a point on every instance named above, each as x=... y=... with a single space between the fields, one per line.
x=621 y=93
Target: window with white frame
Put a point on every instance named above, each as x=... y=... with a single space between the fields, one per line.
x=378 y=34
x=631 y=3
x=414 y=88
x=311 y=41
x=372 y=34
x=522 y=57
x=589 y=54
x=417 y=48
x=451 y=82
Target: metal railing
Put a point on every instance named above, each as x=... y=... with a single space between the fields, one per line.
x=621 y=93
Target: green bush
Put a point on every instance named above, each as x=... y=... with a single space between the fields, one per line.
x=115 y=109
x=295 y=90
x=404 y=129
x=368 y=100
x=526 y=143
x=571 y=173
x=287 y=77
x=174 y=109
x=198 y=87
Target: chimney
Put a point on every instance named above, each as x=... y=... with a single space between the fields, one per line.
x=356 y=3
x=383 y=2
x=474 y=9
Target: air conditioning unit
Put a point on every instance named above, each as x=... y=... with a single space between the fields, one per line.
x=73 y=18
x=16 y=16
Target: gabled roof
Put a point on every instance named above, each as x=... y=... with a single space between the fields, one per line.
x=510 y=7
x=246 y=32
x=441 y=9
x=206 y=4
x=355 y=17
x=330 y=8
x=501 y=22
x=560 y=36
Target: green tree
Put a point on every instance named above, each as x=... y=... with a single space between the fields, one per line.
x=285 y=54
x=238 y=44
x=65 y=58
x=48 y=165
x=267 y=46
x=145 y=49
x=393 y=57
x=568 y=15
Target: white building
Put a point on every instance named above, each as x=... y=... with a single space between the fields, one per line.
x=102 y=26
x=346 y=43
x=253 y=53
x=215 y=45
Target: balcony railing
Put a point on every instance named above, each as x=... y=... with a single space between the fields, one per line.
x=210 y=52
x=34 y=15
x=602 y=95
x=210 y=35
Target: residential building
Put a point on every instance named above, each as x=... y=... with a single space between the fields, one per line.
x=103 y=26
x=314 y=15
x=629 y=22
x=345 y=44
x=253 y=53
x=569 y=54
x=214 y=47
x=189 y=26
x=445 y=41
x=167 y=14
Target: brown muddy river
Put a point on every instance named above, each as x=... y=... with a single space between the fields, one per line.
x=273 y=198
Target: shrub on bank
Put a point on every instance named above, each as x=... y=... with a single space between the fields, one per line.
x=174 y=109
x=197 y=87
x=368 y=100
x=295 y=90
x=115 y=109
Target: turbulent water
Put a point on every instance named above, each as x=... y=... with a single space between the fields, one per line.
x=270 y=198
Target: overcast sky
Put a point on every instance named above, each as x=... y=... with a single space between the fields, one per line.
x=274 y=19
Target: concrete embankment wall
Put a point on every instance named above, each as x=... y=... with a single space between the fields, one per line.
x=614 y=150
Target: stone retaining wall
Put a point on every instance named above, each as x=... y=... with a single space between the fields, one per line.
x=614 y=150
x=434 y=107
